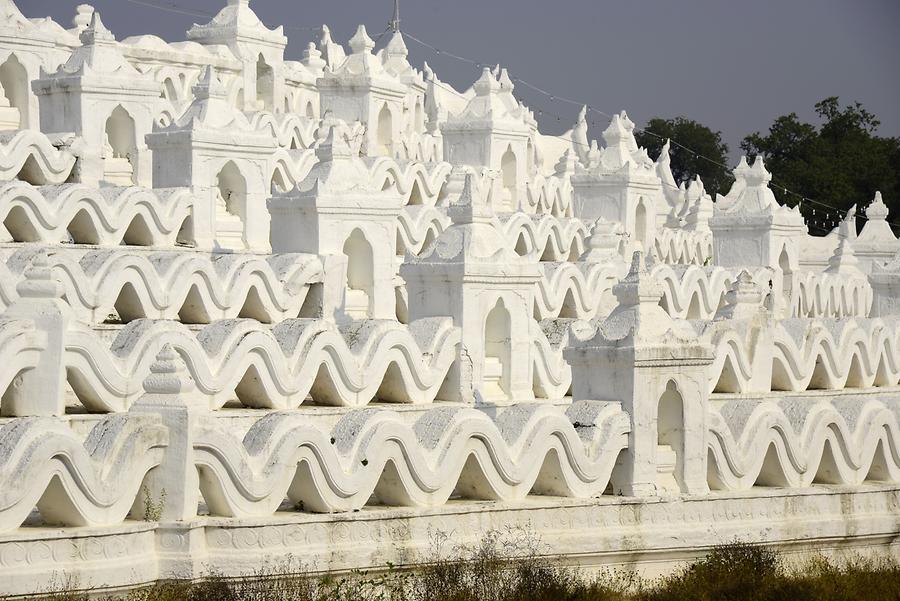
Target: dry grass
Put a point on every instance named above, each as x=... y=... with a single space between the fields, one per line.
x=509 y=568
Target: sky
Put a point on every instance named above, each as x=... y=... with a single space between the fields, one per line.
x=733 y=66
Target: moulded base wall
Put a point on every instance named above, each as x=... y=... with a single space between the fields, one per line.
x=653 y=536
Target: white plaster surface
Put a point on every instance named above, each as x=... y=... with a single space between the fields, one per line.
x=253 y=307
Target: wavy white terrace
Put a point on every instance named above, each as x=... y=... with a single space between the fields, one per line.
x=254 y=305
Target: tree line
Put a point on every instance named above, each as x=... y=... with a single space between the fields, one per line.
x=840 y=162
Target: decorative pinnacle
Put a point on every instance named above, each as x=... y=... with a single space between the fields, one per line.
x=877 y=211
x=168 y=374
x=361 y=42
x=39 y=282
x=664 y=154
x=638 y=287
x=96 y=32
x=395 y=22
x=505 y=82
x=467 y=208
x=743 y=290
x=486 y=83
x=757 y=175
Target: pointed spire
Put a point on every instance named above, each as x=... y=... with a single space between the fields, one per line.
x=844 y=259
x=486 y=84
x=847 y=228
x=395 y=21
x=638 y=287
x=396 y=47
x=332 y=52
x=757 y=175
x=361 y=43
x=96 y=32
x=469 y=207
x=168 y=374
x=506 y=83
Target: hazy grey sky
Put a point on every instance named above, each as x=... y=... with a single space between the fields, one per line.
x=734 y=66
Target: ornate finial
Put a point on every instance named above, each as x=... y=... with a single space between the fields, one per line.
x=877 y=211
x=312 y=57
x=96 y=32
x=566 y=163
x=82 y=18
x=395 y=22
x=506 y=83
x=168 y=374
x=486 y=83
x=361 y=42
x=615 y=131
x=603 y=243
x=396 y=46
x=757 y=175
x=39 y=281
x=743 y=299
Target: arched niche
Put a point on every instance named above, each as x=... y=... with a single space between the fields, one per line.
x=420 y=116
x=510 y=173
x=119 y=148
x=265 y=85
x=641 y=226
x=787 y=275
x=497 y=352
x=670 y=439
x=529 y=157
x=230 y=190
x=14 y=79
x=360 y=276
x=169 y=91
x=384 y=133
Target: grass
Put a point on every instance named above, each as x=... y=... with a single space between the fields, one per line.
x=509 y=568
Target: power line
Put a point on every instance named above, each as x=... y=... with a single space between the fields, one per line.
x=173 y=7
x=728 y=171
x=395 y=26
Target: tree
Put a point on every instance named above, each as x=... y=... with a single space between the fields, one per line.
x=685 y=165
x=841 y=163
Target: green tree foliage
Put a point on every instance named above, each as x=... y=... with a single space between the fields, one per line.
x=686 y=165
x=840 y=163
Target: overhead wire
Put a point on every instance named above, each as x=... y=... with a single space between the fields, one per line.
x=838 y=213
x=834 y=214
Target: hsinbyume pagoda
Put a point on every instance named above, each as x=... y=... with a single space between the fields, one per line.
x=253 y=308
